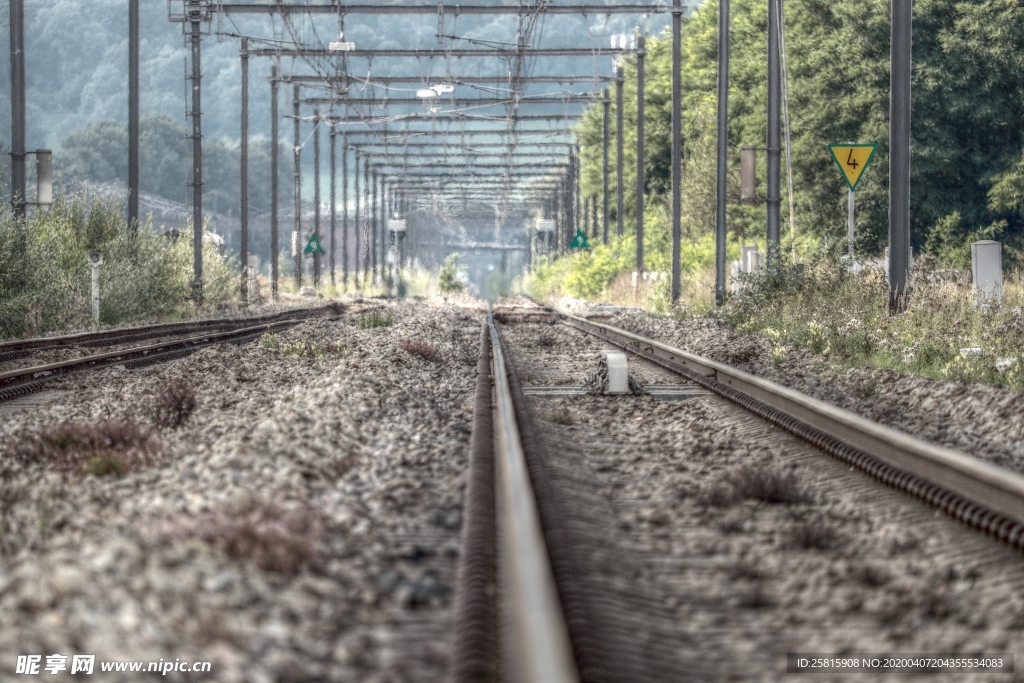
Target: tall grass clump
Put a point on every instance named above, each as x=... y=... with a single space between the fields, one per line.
x=45 y=277
x=845 y=318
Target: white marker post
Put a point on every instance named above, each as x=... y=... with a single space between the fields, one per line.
x=96 y=260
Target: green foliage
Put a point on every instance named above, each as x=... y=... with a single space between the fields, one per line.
x=375 y=319
x=968 y=170
x=449 y=278
x=45 y=278
x=846 y=319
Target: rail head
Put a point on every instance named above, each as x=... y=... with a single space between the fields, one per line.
x=539 y=634
x=983 y=482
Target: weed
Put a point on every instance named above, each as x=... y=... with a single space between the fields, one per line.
x=302 y=349
x=174 y=404
x=815 y=536
x=270 y=341
x=102 y=448
x=761 y=482
x=547 y=341
x=421 y=348
x=868 y=388
x=272 y=539
x=305 y=349
x=375 y=319
x=560 y=415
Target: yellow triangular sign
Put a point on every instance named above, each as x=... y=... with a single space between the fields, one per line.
x=852 y=158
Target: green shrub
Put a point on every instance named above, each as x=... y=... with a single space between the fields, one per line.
x=449 y=278
x=45 y=279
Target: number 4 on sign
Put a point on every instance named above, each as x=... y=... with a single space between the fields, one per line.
x=852 y=158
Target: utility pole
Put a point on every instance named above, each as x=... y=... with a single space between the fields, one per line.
x=133 y=117
x=344 y=210
x=274 y=246
x=640 y=182
x=677 y=147
x=297 y=176
x=243 y=190
x=900 y=65
x=355 y=268
x=334 y=202
x=19 y=181
x=620 y=80
x=723 y=149
x=774 y=139
x=367 y=221
x=195 y=12
x=374 y=228
x=606 y=103
x=316 y=194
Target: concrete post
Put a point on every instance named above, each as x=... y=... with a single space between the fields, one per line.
x=987 y=271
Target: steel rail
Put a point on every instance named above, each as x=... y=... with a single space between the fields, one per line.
x=126 y=334
x=982 y=495
x=13 y=380
x=540 y=636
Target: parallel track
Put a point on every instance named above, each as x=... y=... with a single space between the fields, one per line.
x=22 y=381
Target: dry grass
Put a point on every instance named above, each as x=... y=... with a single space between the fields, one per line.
x=108 y=447
x=421 y=348
x=261 y=533
x=174 y=404
x=560 y=415
x=547 y=341
x=759 y=481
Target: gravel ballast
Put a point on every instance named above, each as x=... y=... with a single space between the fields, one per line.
x=981 y=420
x=301 y=524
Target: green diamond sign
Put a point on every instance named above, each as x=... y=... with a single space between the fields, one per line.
x=313 y=246
x=579 y=240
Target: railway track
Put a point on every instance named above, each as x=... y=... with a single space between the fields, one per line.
x=177 y=340
x=597 y=554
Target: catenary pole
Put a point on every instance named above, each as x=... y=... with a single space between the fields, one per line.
x=620 y=209
x=334 y=201
x=197 y=155
x=900 y=64
x=344 y=211
x=243 y=189
x=133 y=116
x=774 y=137
x=640 y=181
x=274 y=246
x=677 y=147
x=358 y=221
x=606 y=104
x=316 y=195
x=374 y=227
x=297 y=177
x=19 y=181
x=722 y=150
x=367 y=221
